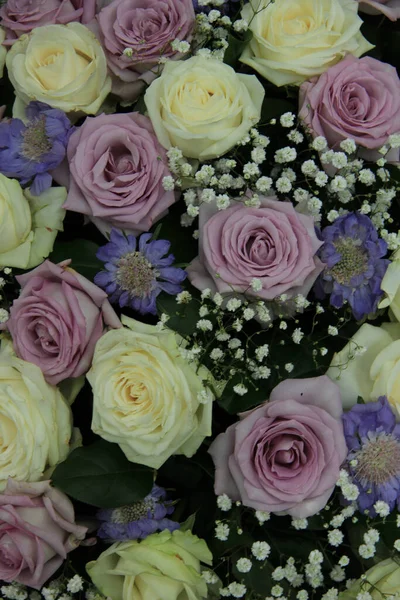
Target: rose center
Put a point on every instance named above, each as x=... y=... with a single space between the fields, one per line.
x=35 y=141
x=353 y=260
x=135 y=274
x=378 y=460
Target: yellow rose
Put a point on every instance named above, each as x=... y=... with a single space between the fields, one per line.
x=28 y=224
x=164 y=566
x=62 y=65
x=35 y=420
x=381 y=581
x=391 y=286
x=147 y=398
x=369 y=366
x=202 y=106
x=293 y=41
x=3 y=51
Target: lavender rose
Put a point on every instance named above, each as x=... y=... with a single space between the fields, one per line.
x=389 y=8
x=37 y=530
x=135 y=35
x=116 y=172
x=359 y=98
x=57 y=320
x=272 y=243
x=21 y=16
x=284 y=456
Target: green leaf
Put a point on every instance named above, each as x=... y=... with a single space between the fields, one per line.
x=188 y=524
x=101 y=475
x=83 y=256
x=360 y=400
x=236 y=47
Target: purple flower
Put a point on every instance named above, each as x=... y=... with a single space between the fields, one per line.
x=138 y=520
x=137 y=270
x=373 y=440
x=355 y=268
x=29 y=151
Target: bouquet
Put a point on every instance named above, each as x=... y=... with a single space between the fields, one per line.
x=200 y=300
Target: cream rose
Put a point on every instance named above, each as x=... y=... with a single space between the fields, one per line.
x=28 y=224
x=147 y=397
x=369 y=365
x=391 y=286
x=35 y=420
x=293 y=41
x=380 y=581
x=62 y=65
x=202 y=106
x=3 y=51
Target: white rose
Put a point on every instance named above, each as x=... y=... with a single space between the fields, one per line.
x=28 y=224
x=35 y=420
x=146 y=395
x=202 y=106
x=293 y=41
x=369 y=365
x=62 y=65
x=391 y=286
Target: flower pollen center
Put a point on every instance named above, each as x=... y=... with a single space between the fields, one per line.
x=35 y=141
x=132 y=512
x=136 y=274
x=353 y=260
x=378 y=460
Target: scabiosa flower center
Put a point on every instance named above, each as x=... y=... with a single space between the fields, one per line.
x=132 y=512
x=136 y=274
x=35 y=141
x=353 y=261
x=378 y=460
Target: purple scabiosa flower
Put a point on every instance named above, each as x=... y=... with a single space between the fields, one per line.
x=137 y=270
x=373 y=440
x=138 y=520
x=28 y=151
x=353 y=253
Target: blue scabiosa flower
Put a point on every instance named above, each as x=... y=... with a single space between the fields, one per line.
x=28 y=151
x=353 y=253
x=137 y=270
x=373 y=461
x=138 y=520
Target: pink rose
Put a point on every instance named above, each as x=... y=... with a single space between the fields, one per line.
x=359 y=98
x=146 y=28
x=284 y=456
x=116 y=172
x=57 y=320
x=389 y=8
x=37 y=530
x=21 y=16
x=272 y=243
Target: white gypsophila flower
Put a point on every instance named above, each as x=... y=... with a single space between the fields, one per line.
x=295 y=136
x=233 y=304
x=168 y=183
x=250 y=169
x=350 y=491
x=309 y=168
x=240 y=25
x=366 y=550
x=323 y=351
x=319 y=143
x=382 y=508
x=287 y=119
x=299 y=523
x=338 y=184
x=339 y=160
x=283 y=185
x=371 y=536
x=297 y=335
x=364 y=596
x=237 y=590
x=348 y=145
x=183 y=297
x=248 y=314
x=301 y=195
x=262 y=516
x=192 y=211
x=335 y=537
x=332 y=330
x=302 y=595
x=216 y=354
x=75 y=584
x=283 y=325
x=204 y=325
x=224 y=592
x=326 y=157
x=289 y=173
x=240 y=389
x=337 y=520
x=277 y=591
x=4 y=315
x=383 y=174
x=264 y=184
x=223 y=201
x=366 y=176
x=221 y=531
x=337 y=574
x=394 y=140
x=321 y=178
x=315 y=557
x=289 y=367
x=258 y=155
x=224 y=503
x=331 y=594
x=396 y=545
x=243 y=565
x=262 y=352
x=285 y=155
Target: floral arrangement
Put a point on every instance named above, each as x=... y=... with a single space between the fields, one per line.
x=200 y=300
